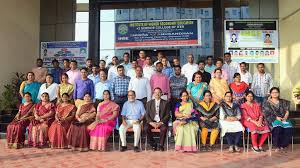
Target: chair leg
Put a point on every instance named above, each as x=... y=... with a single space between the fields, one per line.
x=141 y=143
x=113 y=136
x=248 y=136
x=221 y=143
x=292 y=143
x=244 y=141
x=269 y=146
x=146 y=143
x=168 y=141
x=119 y=143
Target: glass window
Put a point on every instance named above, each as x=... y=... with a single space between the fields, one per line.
x=82 y=17
x=107 y=15
x=107 y=35
x=81 y=31
x=82 y=1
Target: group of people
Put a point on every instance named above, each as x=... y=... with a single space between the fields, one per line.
x=80 y=109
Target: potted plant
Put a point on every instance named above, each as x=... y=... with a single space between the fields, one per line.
x=297 y=97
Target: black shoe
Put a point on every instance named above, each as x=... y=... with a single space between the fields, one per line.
x=261 y=149
x=160 y=148
x=123 y=148
x=255 y=150
x=136 y=149
x=154 y=147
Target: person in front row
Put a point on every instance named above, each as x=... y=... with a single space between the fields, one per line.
x=133 y=112
x=157 y=117
x=276 y=111
x=186 y=125
x=209 y=119
x=253 y=119
x=230 y=115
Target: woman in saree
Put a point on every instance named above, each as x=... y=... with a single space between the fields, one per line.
x=196 y=88
x=230 y=124
x=65 y=113
x=218 y=86
x=186 y=125
x=49 y=87
x=78 y=135
x=15 y=134
x=101 y=129
x=276 y=112
x=238 y=89
x=253 y=119
x=209 y=119
x=31 y=87
x=64 y=87
x=38 y=127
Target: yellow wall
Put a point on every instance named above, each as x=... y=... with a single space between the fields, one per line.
x=289 y=27
x=19 y=36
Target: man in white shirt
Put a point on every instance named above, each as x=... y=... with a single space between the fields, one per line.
x=148 y=69
x=245 y=75
x=230 y=67
x=131 y=71
x=141 y=86
x=112 y=72
x=189 y=68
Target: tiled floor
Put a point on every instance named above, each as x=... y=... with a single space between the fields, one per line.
x=44 y=158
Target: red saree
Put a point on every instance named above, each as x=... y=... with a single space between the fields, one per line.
x=15 y=134
x=58 y=131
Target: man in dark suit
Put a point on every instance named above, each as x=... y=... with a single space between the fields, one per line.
x=206 y=77
x=157 y=117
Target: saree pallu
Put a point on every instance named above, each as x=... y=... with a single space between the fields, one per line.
x=102 y=131
x=38 y=131
x=58 y=131
x=15 y=134
x=33 y=88
x=197 y=90
x=78 y=135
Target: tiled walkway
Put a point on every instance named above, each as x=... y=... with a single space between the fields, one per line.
x=44 y=158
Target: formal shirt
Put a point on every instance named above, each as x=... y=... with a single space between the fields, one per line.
x=112 y=72
x=131 y=73
x=210 y=69
x=224 y=74
x=50 y=89
x=206 y=77
x=40 y=74
x=188 y=71
x=246 y=77
x=148 y=71
x=126 y=66
x=119 y=86
x=82 y=87
x=162 y=81
x=231 y=69
x=168 y=71
x=177 y=85
x=133 y=110
x=74 y=75
x=95 y=79
x=100 y=87
x=261 y=84
x=56 y=72
x=141 y=86
x=157 y=118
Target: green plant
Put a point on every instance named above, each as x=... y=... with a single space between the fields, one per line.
x=9 y=100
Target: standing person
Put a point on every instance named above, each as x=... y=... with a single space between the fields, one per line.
x=102 y=66
x=102 y=128
x=95 y=75
x=218 y=86
x=73 y=73
x=238 y=88
x=31 y=87
x=168 y=71
x=157 y=117
x=176 y=62
x=141 y=86
x=56 y=71
x=78 y=135
x=178 y=83
x=112 y=72
x=49 y=87
x=186 y=125
x=253 y=119
x=160 y=55
x=148 y=69
x=219 y=65
x=64 y=87
x=15 y=132
x=43 y=117
x=262 y=83
x=230 y=67
x=189 y=68
x=119 y=87
x=142 y=58
x=89 y=65
x=66 y=65
x=206 y=77
x=196 y=88
x=131 y=72
x=83 y=86
x=209 y=67
x=245 y=75
x=64 y=115
x=126 y=64
x=101 y=86
x=133 y=113
x=276 y=111
x=39 y=71
x=231 y=127
x=160 y=80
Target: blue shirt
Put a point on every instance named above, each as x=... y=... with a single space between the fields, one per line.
x=126 y=66
x=100 y=87
x=56 y=72
x=133 y=110
x=168 y=71
x=81 y=87
x=210 y=69
x=95 y=79
x=119 y=86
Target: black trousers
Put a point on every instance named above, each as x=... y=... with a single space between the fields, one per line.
x=282 y=136
x=162 y=135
